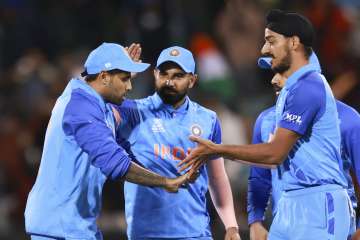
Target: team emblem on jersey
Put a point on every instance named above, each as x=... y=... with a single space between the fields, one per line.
x=196 y=130
x=174 y=52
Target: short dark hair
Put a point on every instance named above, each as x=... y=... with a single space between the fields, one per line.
x=92 y=77
x=308 y=51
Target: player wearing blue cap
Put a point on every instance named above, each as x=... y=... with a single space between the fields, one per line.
x=264 y=181
x=306 y=140
x=156 y=130
x=80 y=151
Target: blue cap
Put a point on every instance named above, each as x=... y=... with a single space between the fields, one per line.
x=179 y=55
x=265 y=62
x=110 y=56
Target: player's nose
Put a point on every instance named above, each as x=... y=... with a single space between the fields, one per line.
x=128 y=85
x=265 y=50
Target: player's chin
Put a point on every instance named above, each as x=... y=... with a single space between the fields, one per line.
x=118 y=100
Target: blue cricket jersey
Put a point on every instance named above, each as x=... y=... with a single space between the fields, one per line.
x=80 y=152
x=350 y=144
x=158 y=137
x=264 y=181
x=307 y=106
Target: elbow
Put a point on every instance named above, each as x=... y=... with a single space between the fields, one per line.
x=275 y=154
x=276 y=159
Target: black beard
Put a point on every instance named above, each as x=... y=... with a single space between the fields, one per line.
x=172 y=98
x=284 y=65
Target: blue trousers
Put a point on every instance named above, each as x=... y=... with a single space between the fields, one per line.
x=323 y=212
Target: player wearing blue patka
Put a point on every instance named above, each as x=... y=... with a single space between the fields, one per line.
x=262 y=182
x=80 y=151
x=156 y=131
x=306 y=140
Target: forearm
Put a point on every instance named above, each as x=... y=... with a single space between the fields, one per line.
x=221 y=196
x=263 y=153
x=139 y=175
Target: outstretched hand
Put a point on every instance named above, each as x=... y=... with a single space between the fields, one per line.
x=199 y=154
x=172 y=185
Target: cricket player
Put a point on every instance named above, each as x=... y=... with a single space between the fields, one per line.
x=156 y=131
x=306 y=140
x=80 y=151
x=263 y=181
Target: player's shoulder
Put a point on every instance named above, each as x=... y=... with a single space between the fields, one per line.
x=350 y=118
x=310 y=82
x=267 y=113
x=343 y=108
x=199 y=109
x=310 y=89
x=140 y=101
x=82 y=99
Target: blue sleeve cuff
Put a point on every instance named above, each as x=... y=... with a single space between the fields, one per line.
x=255 y=216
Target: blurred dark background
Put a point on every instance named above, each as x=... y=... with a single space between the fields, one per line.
x=44 y=43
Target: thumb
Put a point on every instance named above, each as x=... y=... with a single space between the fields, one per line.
x=194 y=139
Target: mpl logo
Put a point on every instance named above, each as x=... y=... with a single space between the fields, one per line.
x=293 y=118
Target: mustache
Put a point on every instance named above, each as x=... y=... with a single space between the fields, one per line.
x=168 y=88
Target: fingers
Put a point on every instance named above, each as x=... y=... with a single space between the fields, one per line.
x=196 y=166
x=185 y=164
x=137 y=53
x=194 y=138
x=134 y=51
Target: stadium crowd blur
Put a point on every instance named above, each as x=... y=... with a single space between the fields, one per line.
x=44 y=43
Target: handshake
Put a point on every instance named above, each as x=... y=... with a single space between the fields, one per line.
x=173 y=184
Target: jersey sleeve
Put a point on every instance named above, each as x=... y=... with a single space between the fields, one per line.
x=352 y=143
x=216 y=132
x=304 y=104
x=129 y=114
x=84 y=121
x=129 y=119
x=256 y=138
x=259 y=184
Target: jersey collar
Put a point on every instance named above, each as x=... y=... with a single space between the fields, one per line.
x=298 y=74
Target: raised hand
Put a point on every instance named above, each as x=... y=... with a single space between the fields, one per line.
x=134 y=51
